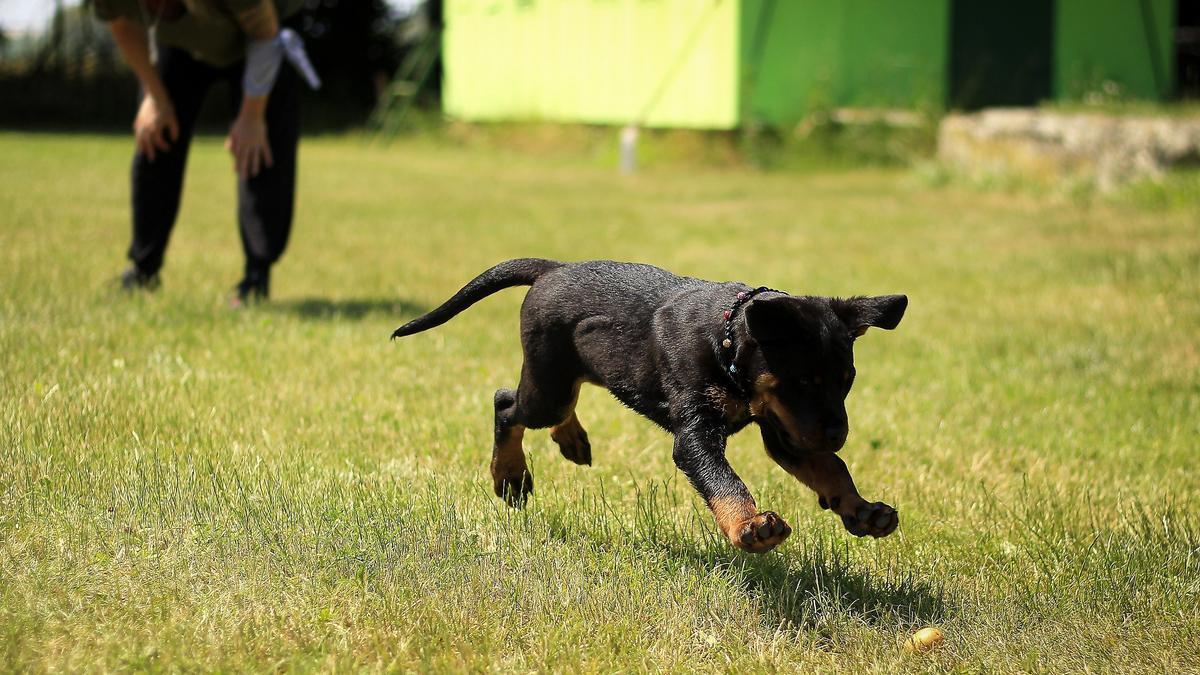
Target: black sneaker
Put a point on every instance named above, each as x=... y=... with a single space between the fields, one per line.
x=254 y=288
x=133 y=280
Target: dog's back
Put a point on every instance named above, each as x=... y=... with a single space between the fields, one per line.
x=630 y=292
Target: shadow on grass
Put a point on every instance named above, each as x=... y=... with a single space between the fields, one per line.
x=814 y=581
x=823 y=582
x=353 y=309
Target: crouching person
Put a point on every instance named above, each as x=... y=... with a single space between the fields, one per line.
x=195 y=44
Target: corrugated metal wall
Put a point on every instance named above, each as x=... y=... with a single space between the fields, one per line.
x=719 y=63
x=600 y=61
x=801 y=54
x=1127 y=42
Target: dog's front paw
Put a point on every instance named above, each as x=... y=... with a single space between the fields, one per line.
x=761 y=533
x=870 y=518
x=514 y=490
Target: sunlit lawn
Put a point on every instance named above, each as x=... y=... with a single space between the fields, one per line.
x=187 y=487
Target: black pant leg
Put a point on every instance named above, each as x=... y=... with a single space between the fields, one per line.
x=265 y=201
x=157 y=185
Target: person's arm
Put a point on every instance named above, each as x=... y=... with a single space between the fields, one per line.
x=247 y=140
x=155 y=120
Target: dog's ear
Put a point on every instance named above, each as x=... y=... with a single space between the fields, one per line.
x=860 y=313
x=778 y=319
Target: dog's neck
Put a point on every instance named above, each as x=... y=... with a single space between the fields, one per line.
x=732 y=352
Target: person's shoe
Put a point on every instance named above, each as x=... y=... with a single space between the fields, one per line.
x=133 y=280
x=251 y=290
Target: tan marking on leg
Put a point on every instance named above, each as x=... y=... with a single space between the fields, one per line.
x=508 y=457
x=747 y=529
x=570 y=435
x=733 y=409
x=732 y=513
x=568 y=431
x=827 y=475
x=569 y=420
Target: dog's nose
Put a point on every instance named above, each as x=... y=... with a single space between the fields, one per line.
x=834 y=434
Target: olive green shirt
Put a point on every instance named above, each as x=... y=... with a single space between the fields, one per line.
x=209 y=29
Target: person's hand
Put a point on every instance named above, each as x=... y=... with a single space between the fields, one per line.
x=248 y=144
x=155 y=127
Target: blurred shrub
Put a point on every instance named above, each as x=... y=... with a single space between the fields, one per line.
x=1177 y=190
x=845 y=137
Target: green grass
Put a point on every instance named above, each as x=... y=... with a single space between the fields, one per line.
x=185 y=487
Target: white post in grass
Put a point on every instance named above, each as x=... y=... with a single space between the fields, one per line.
x=629 y=137
x=629 y=134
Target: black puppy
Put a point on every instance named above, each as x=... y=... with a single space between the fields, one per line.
x=702 y=360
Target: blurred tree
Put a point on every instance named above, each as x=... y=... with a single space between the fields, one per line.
x=351 y=42
x=75 y=77
x=51 y=54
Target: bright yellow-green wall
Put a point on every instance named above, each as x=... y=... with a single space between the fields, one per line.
x=596 y=61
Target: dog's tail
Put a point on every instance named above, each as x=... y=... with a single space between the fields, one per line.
x=518 y=272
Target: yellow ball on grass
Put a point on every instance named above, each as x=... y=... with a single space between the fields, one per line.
x=924 y=640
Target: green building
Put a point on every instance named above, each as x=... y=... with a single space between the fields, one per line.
x=721 y=63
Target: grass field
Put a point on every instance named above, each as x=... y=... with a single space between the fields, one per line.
x=187 y=487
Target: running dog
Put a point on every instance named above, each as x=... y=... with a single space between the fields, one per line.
x=700 y=359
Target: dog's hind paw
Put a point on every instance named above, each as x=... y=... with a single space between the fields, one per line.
x=514 y=490
x=876 y=519
x=761 y=533
x=572 y=441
